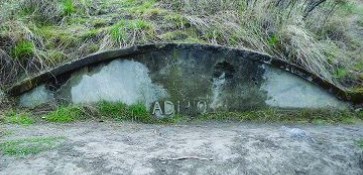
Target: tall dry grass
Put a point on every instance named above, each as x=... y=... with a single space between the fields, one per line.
x=323 y=36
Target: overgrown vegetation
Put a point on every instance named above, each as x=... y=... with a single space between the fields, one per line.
x=323 y=36
x=29 y=146
x=120 y=111
x=136 y=113
x=116 y=111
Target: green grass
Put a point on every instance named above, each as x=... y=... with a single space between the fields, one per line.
x=117 y=111
x=20 y=118
x=23 y=49
x=65 y=114
x=29 y=146
x=119 y=32
x=58 y=37
x=141 y=8
x=273 y=41
x=182 y=36
x=140 y=113
x=341 y=73
x=137 y=113
x=178 y=20
x=68 y=7
x=120 y=111
x=124 y=29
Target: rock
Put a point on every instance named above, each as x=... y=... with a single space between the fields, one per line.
x=295 y=133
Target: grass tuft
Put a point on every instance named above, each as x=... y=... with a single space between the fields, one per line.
x=68 y=7
x=140 y=113
x=131 y=31
x=20 y=118
x=120 y=111
x=23 y=49
x=65 y=114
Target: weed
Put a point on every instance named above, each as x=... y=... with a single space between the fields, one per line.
x=178 y=20
x=140 y=113
x=188 y=36
x=23 y=49
x=341 y=73
x=55 y=56
x=21 y=118
x=120 y=111
x=65 y=114
x=119 y=32
x=117 y=110
x=141 y=8
x=68 y=7
x=30 y=146
x=273 y=41
x=131 y=31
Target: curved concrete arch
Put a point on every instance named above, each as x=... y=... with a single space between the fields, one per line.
x=63 y=72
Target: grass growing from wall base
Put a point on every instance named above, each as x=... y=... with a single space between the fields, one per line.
x=117 y=111
x=136 y=113
x=65 y=114
x=312 y=116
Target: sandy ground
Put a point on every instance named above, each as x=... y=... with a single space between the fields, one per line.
x=208 y=148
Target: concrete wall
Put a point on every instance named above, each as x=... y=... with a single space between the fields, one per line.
x=187 y=80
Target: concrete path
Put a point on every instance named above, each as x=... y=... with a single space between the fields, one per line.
x=208 y=148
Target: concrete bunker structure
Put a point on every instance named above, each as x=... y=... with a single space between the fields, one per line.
x=182 y=78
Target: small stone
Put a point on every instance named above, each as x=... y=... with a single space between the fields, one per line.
x=295 y=133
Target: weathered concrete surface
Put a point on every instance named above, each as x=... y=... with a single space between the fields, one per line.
x=184 y=79
x=209 y=148
x=60 y=74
